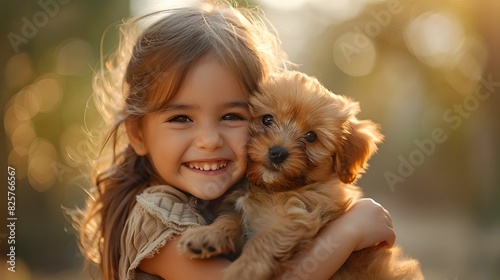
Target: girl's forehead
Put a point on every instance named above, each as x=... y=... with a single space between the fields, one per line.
x=207 y=83
x=213 y=77
x=209 y=78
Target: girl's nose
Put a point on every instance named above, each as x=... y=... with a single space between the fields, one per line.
x=209 y=138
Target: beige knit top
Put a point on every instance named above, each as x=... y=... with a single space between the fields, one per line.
x=161 y=213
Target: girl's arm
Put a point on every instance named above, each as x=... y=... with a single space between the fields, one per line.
x=367 y=223
x=168 y=264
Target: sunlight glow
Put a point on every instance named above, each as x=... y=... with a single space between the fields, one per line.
x=143 y=7
x=338 y=10
x=283 y=4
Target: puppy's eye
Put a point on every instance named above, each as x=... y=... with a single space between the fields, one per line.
x=310 y=137
x=267 y=120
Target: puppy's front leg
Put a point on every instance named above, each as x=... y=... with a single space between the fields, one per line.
x=221 y=237
x=265 y=254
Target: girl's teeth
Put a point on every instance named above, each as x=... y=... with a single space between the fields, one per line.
x=207 y=167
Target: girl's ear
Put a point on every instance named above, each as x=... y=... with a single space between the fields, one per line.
x=135 y=138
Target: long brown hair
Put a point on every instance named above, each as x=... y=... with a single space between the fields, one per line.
x=144 y=74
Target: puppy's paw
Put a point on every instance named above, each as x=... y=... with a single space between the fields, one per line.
x=204 y=242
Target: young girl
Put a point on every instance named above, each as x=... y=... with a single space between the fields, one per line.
x=177 y=145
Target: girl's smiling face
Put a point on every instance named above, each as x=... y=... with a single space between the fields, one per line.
x=198 y=142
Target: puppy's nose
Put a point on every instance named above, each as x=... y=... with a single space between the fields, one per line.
x=277 y=154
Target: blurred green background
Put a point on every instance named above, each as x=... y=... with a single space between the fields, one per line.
x=427 y=71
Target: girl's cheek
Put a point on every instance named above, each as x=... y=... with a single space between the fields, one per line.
x=243 y=138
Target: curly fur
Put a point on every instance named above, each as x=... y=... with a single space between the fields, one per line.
x=306 y=150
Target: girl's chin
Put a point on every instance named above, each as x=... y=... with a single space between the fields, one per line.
x=210 y=190
x=205 y=196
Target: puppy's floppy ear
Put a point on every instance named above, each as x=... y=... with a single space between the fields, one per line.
x=358 y=144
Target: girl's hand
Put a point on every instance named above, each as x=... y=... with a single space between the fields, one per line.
x=369 y=223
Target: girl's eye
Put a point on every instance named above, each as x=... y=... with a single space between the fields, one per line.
x=233 y=117
x=267 y=120
x=310 y=137
x=179 y=119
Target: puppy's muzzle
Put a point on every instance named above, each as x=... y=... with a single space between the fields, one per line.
x=277 y=154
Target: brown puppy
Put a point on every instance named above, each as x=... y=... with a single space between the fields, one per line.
x=306 y=149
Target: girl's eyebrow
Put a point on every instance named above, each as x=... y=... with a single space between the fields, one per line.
x=236 y=104
x=179 y=107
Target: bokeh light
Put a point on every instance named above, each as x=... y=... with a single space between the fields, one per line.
x=22 y=138
x=467 y=66
x=354 y=54
x=41 y=159
x=70 y=64
x=434 y=37
x=18 y=70
x=26 y=104
x=31 y=156
x=48 y=93
x=12 y=118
